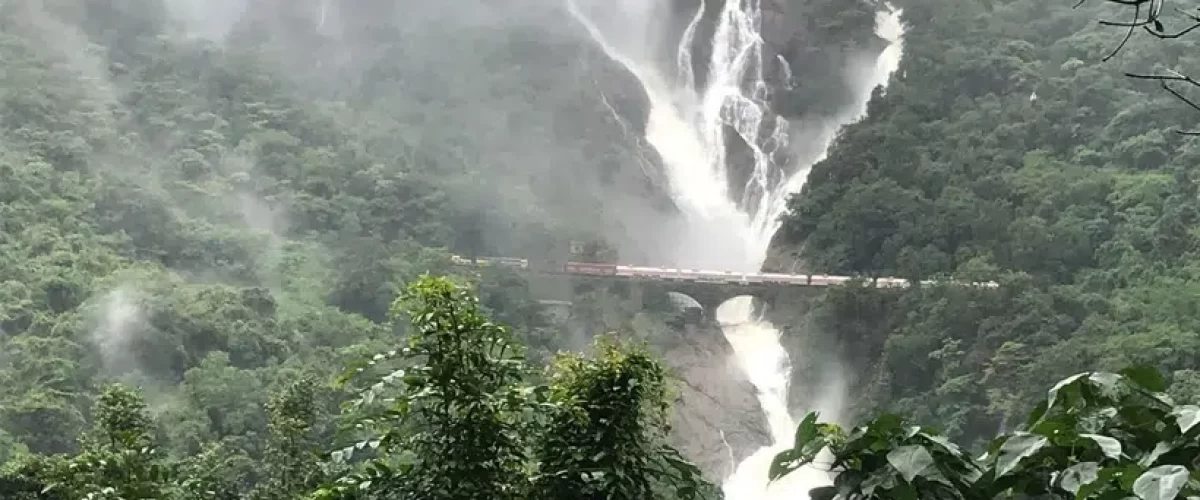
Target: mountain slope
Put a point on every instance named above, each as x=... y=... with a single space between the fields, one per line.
x=1006 y=150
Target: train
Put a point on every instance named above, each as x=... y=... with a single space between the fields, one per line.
x=694 y=275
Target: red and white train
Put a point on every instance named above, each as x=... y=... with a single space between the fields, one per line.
x=695 y=275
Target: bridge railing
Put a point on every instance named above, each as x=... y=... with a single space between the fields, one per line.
x=703 y=276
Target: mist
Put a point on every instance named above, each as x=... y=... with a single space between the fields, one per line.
x=512 y=92
x=515 y=92
x=714 y=127
x=527 y=121
x=119 y=324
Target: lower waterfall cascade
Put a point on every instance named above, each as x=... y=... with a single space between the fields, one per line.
x=689 y=126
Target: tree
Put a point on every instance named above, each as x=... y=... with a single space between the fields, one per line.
x=1098 y=435
x=119 y=458
x=459 y=422
x=292 y=462
x=218 y=472
x=455 y=429
x=605 y=434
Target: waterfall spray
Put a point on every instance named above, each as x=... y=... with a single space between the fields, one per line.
x=689 y=125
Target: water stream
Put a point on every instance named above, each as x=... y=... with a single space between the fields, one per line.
x=726 y=228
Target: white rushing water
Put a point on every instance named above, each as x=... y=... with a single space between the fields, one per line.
x=732 y=229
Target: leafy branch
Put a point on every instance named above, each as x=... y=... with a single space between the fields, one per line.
x=1097 y=435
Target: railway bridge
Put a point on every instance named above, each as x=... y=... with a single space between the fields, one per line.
x=555 y=283
x=709 y=296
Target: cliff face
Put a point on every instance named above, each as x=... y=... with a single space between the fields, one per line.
x=717 y=420
x=552 y=130
x=815 y=38
x=517 y=91
x=513 y=92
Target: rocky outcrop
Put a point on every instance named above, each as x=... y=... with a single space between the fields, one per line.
x=815 y=38
x=554 y=127
x=783 y=259
x=717 y=420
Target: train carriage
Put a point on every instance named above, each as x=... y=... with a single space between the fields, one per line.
x=782 y=279
x=511 y=262
x=891 y=282
x=588 y=268
x=752 y=278
x=826 y=280
x=700 y=276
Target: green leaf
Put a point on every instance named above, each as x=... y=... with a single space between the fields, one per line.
x=1040 y=410
x=1111 y=447
x=1159 y=450
x=784 y=463
x=1147 y=377
x=910 y=461
x=1108 y=384
x=1078 y=476
x=823 y=493
x=1127 y=475
x=1161 y=483
x=1053 y=425
x=1053 y=395
x=806 y=431
x=878 y=481
x=1016 y=448
x=1104 y=477
x=944 y=443
x=887 y=423
x=1187 y=416
x=1063 y=383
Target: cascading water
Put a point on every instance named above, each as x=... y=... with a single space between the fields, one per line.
x=688 y=126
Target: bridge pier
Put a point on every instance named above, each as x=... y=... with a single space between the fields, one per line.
x=551 y=289
x=637 y=295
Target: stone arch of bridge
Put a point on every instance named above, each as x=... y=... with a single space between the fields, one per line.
x=709 y=296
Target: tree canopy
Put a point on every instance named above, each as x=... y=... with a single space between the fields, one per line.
x=1006 y=147
x=448 y=415
x=197 y=232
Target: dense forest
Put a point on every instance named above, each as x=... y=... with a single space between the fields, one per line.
x=213 y=236
x=1006 y=148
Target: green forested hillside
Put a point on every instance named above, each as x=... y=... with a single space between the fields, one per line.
x=173 y=213
x=200 y=220
x=228 y=225
x=1005 y=148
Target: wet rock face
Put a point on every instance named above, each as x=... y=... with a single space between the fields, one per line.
x=776 y=32
x=717 y=421
x=815 y=38
x=784 y=259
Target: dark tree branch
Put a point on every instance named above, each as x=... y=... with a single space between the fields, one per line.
x=1158 y=31
x=1153 y=25
x=1137 y=12
x=1163 y=81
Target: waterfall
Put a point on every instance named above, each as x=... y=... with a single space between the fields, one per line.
x=689 y=124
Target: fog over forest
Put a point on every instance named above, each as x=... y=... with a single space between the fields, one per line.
x=367 y=249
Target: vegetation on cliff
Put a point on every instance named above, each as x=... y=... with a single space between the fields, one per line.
x=1004 y=149
x=228 y=226
x=446 y=415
